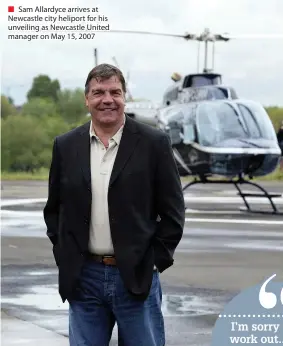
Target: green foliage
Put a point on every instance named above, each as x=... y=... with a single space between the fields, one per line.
x=7 y=107
x=276 y=116
x=71 y=105
x=28 y=134
x=54 y=126
x=25 y=144
x=40 y=174
x=40 y=108
x=44 y=87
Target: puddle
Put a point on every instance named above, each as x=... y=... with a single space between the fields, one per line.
x=46 y=298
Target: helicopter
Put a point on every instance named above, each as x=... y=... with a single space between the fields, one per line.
x=191 y=87
x=231 y=139
x=195 y=86
x=213 y=132
x=221 y=137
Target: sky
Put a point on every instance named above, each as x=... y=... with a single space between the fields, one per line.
x=254 y=67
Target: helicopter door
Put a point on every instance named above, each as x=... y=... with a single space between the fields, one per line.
x=190 y=133
x=176 y=128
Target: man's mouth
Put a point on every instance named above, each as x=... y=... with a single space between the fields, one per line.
x=108 y=109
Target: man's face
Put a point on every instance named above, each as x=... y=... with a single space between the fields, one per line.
x=105 y=101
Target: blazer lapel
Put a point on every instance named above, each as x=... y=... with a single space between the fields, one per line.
x=127 y=145
x=83 y=154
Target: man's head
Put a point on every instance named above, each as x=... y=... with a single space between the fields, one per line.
x=105 y=90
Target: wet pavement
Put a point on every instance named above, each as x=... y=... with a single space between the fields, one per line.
x=222 y=252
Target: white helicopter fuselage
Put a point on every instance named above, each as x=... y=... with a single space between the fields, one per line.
x=143 y=111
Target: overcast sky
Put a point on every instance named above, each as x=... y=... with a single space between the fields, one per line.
x=253 y=67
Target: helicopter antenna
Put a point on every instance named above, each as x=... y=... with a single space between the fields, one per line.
x=95 y=57
x=198 y=57
x=213 y=55
x=205 y=56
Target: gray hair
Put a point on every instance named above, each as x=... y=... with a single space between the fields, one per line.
x=102 y=72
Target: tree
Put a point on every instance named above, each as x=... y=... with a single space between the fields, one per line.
x=44 y=87
x=7 y=108
x=39 y=107
x=276 y=116
x=71 y=105
x=25 y=144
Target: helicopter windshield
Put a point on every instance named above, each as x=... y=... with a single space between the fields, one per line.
x=219 y=122
x=258 y=120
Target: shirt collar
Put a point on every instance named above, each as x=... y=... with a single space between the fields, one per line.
x=117 y=137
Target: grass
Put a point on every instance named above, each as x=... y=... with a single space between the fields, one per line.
x=276 y=176
x=43 y=173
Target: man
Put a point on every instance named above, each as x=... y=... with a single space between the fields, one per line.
x=115 y=215
x=280 y=137
x=280 y=142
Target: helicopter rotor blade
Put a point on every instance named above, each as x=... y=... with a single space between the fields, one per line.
x=205 y=36
x=252 y=36
x=186 y=36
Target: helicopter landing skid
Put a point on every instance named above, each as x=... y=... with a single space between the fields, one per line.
x=264 y=193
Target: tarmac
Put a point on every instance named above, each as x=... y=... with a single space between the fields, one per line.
x=18 y=332
x=223 y=251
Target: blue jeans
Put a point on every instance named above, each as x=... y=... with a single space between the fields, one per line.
x=102 y=299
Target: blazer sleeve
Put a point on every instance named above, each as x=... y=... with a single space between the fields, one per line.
x=52 y=207
x=170 y=206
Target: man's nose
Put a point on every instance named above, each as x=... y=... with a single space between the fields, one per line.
x=107 y=98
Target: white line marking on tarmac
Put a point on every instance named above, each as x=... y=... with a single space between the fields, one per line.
x=235 y=192
x=11 y=202
x=256 y=222
x=221 y=212
x=255 y=246
x=188 y=198
x=231 y=233
x=230 y=200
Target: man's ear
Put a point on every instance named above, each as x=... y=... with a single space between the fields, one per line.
x=86 y=100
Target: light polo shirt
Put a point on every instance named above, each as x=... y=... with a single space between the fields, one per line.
x=101 y=164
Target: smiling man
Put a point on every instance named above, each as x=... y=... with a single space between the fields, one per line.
x=115 y=215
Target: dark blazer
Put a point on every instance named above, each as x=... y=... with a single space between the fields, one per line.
x=144 y=184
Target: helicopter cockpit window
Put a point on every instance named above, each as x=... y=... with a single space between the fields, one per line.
x=218 y=94
x=263 y=121
x=233 y=94
x=198 y=81
x=217 y=123
x=250 y=121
